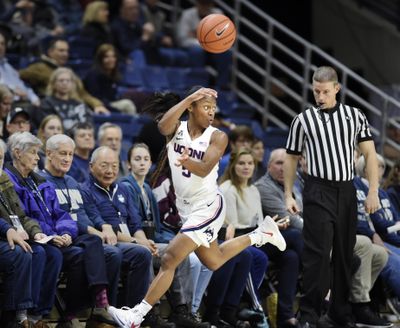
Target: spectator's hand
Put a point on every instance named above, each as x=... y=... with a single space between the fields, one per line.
x=372 y=202
x=24 y=4
x=58 y=30
x=282 y=223
x=23 y=234
x=150 y=244
x=109 y=236
x=291 y=205
x=39 y=236
x=36 y=103
x=67 y=239
x=167 y=41
x=101 y=110
x=94 y=231
x=148 y=31
x=58 y=241
x=14 y=238
x=20 y=93
x=376 y=239
x=230 y=232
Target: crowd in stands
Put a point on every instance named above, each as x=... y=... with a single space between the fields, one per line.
x=76 y=202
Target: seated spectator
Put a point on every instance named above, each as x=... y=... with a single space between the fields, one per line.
x=258 y=151
x=69 y=15
x=10 y=77
x=139 y=191
x=6 y=100
x=186 y=38
x=110 y=134
x=83 y=258
x=271 y=190
x=18 y=120
x=392 y=186
x=113 y=214
x=131 y=32
x=59 y=150
x=62 y=100
x=38 y=74
x=83 y=135
x=50 y=125
x=95 y=23
x=240 y=136
x=29 y=271
x=101 y=80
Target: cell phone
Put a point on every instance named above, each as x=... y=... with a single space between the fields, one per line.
x=282 y=221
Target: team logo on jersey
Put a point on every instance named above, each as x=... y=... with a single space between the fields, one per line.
x=209 y=232
x=198 y=154
x=121 y=198
x=179 y=135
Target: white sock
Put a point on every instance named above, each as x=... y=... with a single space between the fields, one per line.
x=143 y=307
x=21 y=315
x=34 y=318
x=255 y=238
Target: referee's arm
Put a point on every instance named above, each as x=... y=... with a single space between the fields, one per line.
x=289 y=170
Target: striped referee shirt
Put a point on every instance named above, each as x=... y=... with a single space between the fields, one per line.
x=329 y=139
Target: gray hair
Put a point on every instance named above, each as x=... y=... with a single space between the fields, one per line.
x=97 y=152
x=360 y=165
x=104 y=127
x=275 y=153
x=53 y=143
x=325 y=74
x=22 y=141
x=3 y=146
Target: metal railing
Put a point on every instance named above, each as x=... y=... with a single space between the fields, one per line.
x=273 y=68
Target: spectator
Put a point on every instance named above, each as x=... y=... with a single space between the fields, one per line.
x=49 y=126
x=59 y=150
x=18 y=120
x=113 y=214
x=271 y=190
x=186 y=37
x=38 y=74
x=392 y=186
x=110 y=135
x=258 y=152
x=83 y=257
x=83 y=135
x=140 y=192
x=30 y=272
x=6 y=100
x=131 y=32
x=240 y=136
x=102 y=80
x=69 y=15
x=9 y=76
x=95 y=23
x=63 y=100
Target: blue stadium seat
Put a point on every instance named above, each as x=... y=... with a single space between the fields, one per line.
x=174 y=57
x=132 y=76
x=81 y=47
x=275 y=137
x=138 y=58
x=155 y=78
x=80 y=66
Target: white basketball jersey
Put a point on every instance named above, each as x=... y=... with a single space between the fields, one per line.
x=188 y=186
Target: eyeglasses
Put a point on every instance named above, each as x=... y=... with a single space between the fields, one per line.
x=20 y=122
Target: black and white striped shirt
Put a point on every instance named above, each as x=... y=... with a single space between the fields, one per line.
x=329 y=139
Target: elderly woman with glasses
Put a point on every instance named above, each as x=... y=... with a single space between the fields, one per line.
x=83 y=257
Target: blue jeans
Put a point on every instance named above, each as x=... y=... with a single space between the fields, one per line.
x=137 y=260
x=201 y=276
x=391 y=272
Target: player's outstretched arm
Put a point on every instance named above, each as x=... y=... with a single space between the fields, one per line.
x=214 y=152
x=170 y=121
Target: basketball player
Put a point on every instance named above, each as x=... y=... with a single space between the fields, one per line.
x=193 y=153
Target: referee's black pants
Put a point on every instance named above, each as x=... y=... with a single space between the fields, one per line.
x=330 y=221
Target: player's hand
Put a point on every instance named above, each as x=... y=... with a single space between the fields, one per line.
x=230 y=232
x=202 y=93
x=14 y=238
x=372 y=202
x=291 y=205
x=183 y=158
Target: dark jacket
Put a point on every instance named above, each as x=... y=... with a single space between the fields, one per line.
x=110 y=207
x=7 y=189
x=52 y=219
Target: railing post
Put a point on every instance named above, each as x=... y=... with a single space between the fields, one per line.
x=343 y=89
x=306 y=75
x=267 y=80
x=384 y=124
x=238 y=8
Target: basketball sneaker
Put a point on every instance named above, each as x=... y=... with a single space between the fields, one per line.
x=268 y=232
x=126 y=317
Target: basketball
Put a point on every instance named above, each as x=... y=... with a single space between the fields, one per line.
x=216 y=33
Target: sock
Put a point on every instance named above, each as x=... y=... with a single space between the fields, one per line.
x=34 y=318
x=255 y=238
x=21 y=315
x=143 y=307
x=101 y=298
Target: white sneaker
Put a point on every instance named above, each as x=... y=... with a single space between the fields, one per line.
x=126 y=317
x=269 y=232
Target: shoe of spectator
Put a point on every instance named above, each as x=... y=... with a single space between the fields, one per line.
x=74 y=323
x=269 y=232
x=96 y=324
x=126 y=317
x=182 y=317
x=24 y=324
x=326 y=322
x=250 y=315
x=154 y=320
x=101 y=315
x=40 y=324
x=394 y=306
x=365 y=317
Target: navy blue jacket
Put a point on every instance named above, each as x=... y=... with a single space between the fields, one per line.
x=110 y=207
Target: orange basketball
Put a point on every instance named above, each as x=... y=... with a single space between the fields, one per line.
x=216 y=33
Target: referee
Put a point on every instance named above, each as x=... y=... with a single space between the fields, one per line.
x=329 y=133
